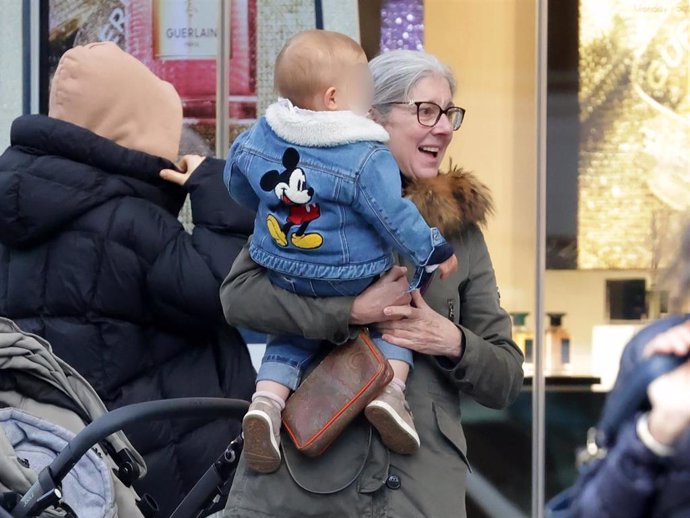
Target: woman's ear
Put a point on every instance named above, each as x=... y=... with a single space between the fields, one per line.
x=330 y=99
x=375 y=115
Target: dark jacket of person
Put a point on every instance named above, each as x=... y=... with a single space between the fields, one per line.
x=632 y=481
x=94 y=259
x=357 y=476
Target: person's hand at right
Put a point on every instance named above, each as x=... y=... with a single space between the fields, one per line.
x=674 y=341
x=389 y=290
x=669 y=394
x=187 y=164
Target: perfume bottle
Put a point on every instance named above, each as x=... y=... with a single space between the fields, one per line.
x=523 y=337
x=558 y=351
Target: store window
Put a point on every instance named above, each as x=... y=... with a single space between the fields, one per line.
x=618 y=162
x=177 y=40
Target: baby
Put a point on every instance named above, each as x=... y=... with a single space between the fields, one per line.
x=327 y=193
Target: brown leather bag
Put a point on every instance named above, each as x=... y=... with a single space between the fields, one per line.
x=338 y=389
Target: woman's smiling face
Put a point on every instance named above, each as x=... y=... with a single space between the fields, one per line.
x=419 y=149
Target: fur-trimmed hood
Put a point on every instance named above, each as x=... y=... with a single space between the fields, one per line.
x=451 y=201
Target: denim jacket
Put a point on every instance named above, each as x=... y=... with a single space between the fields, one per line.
x=327 y=196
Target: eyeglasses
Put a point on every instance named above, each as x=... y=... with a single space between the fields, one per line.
x=429 y=113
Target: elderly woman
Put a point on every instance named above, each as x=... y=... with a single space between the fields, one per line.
x=459 y=334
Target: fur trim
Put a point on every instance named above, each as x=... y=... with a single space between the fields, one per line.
x=321 y=129
x=451 y=201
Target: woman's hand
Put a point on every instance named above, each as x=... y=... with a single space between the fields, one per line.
x=669 y=394
x=389 y=290
x=187 y=164
x=422 y=329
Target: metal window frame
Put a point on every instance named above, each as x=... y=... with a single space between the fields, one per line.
x=222 y=80
x=31 y=42
x=539 y=386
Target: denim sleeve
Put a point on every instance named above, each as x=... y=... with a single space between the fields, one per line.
x=379 y=200
x=235 y=178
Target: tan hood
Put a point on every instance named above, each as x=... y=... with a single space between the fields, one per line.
x=103 y=89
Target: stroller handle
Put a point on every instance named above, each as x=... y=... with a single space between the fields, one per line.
x=49 y=478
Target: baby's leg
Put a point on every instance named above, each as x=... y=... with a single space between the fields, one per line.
x=400 y=369
x=400 y=358
x=276 y=390
x=280 y=372
x=389 y=413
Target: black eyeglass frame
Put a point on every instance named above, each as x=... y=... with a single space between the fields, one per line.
x=441 y=111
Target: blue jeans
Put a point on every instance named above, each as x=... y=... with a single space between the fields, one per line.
x=287 y=356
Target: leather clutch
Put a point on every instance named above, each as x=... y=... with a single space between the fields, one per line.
x=332 y=395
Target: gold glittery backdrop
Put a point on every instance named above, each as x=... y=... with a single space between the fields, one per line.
x=634 y=163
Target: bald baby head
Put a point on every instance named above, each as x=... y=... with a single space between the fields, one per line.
x=322 y=70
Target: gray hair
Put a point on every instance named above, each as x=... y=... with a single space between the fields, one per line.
x=397 y=72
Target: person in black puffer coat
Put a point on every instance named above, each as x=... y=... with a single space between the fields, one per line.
x=94 y=259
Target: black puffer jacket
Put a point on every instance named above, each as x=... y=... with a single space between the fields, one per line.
x=93 y=258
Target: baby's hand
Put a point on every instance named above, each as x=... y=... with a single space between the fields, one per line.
x=448 y=266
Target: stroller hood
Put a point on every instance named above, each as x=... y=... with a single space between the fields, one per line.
x=37 y=384
x=33 y=357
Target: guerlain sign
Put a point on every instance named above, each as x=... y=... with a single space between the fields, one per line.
x=185 y=29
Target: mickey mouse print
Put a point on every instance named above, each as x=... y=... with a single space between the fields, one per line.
x=292 y=191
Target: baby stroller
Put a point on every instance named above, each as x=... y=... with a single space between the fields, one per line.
x=62 y=454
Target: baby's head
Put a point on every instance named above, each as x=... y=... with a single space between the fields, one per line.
x=324 y=71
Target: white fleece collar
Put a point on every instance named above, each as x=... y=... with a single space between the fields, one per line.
x=321 y=129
